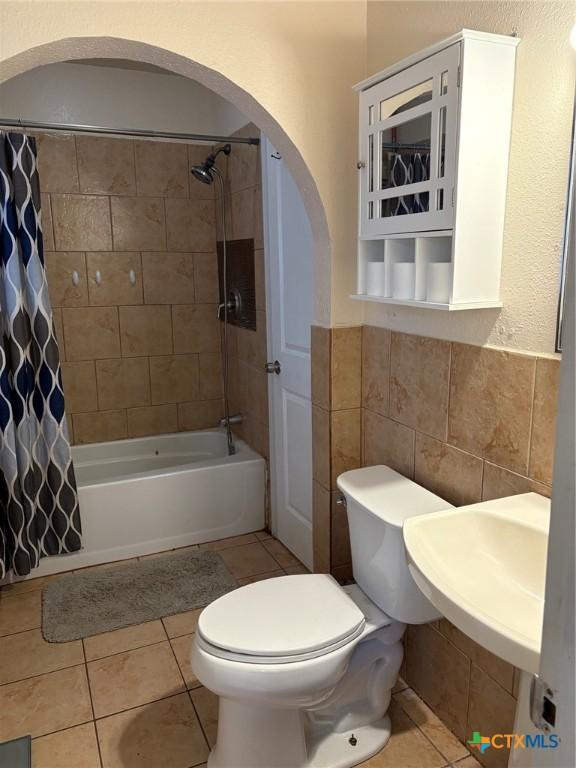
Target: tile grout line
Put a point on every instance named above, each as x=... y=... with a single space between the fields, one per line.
x=200 y=723
x=91 y=703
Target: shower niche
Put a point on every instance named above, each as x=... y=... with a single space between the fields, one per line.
x=241 y=282
x=434 y=133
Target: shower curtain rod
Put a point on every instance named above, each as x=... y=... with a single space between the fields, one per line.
x=32 y=125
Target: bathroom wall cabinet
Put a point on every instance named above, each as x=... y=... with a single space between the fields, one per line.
x=433 y=166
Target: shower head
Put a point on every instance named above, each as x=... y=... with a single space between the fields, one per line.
x=204 y=171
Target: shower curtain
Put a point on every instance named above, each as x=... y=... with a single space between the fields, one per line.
x=410 y=168
x=39 y=512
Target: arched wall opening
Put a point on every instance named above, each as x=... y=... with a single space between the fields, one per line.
x=117 y=48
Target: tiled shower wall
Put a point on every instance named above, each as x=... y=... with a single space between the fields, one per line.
x=468 y=423
x=141 y=358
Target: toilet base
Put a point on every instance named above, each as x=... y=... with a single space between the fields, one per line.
x=344 y=750
x=258 y=737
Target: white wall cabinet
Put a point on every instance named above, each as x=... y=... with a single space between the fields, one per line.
x=433 y=167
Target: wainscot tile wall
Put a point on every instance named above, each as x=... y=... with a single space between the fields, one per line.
x=468 y=423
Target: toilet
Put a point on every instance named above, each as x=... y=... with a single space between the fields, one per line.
x=304 y=668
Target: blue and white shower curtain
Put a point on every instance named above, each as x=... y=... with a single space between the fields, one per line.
x=39 y=512
x=410 y=168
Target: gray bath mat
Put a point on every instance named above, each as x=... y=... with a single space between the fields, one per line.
x=83 y=604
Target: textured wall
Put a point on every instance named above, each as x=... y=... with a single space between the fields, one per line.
x=540 y=149
x=137 y=359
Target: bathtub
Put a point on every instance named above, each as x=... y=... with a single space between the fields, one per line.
x=157 y=493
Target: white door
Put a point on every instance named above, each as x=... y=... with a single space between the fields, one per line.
x=289 y=306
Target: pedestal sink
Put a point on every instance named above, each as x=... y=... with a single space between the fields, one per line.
x=483 y=566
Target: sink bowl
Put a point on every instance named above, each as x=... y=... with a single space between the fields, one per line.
x=484 y=568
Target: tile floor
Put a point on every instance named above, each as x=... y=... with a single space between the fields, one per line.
x=129 y=698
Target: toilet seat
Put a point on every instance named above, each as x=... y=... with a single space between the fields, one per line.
x=281 y=620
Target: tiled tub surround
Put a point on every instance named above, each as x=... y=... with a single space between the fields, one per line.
x=468 y=423
x=143 y=358
x=129 y=698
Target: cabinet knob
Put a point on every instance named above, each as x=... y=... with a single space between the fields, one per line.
x=360 y=164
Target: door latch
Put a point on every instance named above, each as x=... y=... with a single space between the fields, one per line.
x=273 y=367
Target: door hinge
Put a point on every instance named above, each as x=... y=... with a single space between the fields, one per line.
x=542 y=704
x=452 y=197
x=458 y=76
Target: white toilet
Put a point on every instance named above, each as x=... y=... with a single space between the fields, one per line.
x=304 y=668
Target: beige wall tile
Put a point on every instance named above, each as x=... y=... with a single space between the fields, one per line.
x=499 y=482
x=57 y=162
x=544 y=419
x=244 y=213
x=67 y=749
x=46 y=222
x=123 y=383
x=497 y=668
x=255 y=391
x=155 y=420
x=60 y=700
x=490 y=404
x=168 y=278
x=211 y=379
x=419 y=378
x=452 y=474
x=491 y=711
x=203 y=414
x=346 y=364
x=161 y=168
x=340 y=534
x=59 y=331
x=243 y=166
x=106 y=166
x=387 y=442
x=99 y=427
x=196 y=328
x=345 y=441
x=138 y=224
x=115 y=286
x=174 y=378
x=321 y=445
x=376 y=369
x=191 y=225
x=79 y=380
x=60 y=267
x=206 y=278
x=320 y=344
x=440 y=673
x=258 y=436
x=81 y=223
x=91 y=332
x=252 y=345
x=145 y=330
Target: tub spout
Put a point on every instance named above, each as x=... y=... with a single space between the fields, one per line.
x=236 y=419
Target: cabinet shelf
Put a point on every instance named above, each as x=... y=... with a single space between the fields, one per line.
x=427 y=304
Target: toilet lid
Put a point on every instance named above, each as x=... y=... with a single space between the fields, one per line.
x=282 y=617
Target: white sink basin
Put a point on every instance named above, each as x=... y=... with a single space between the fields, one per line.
x=484 y=568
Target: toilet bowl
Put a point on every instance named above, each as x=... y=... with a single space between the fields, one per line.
x=304 y=668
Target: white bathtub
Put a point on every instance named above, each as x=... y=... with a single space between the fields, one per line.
x=156 y=493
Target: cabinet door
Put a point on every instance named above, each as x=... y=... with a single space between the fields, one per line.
x=408 y=136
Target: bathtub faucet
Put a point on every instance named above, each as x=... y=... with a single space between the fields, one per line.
x=236 y=419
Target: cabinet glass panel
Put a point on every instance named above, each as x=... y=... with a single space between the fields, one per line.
x=441 y=142
x=371 y=111
x=371 y=163
x=405 y=153
x=444 y=83
x=400 y=102
x=407 y=204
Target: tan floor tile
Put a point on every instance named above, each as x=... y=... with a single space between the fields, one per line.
x=206 y=705
x=294 y=570
x=28 y=585
x=182 y=647
x=431 y=726
x=280 y=553
x=165 y=734
x=468 y=762
x=248 y=560
x=17 y=614
x=400 y=685
x=27 y=654
x=105 y=566
x=126 y=639
x=133 y=678
x=232 y=541
x=262 y=535
x=261 y=577
x=44 y=704
x=71 y=748
x=181 y=623
x=407 y=747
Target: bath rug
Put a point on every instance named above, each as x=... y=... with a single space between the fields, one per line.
x=83 y=604
x=16 y=753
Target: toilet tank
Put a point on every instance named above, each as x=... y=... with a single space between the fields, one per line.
x=378 y=500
